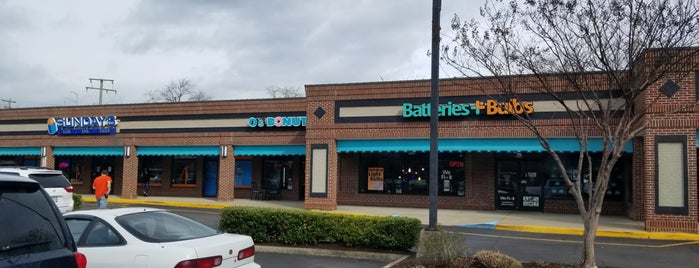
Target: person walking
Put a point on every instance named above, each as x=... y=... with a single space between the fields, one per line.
x=102 y=186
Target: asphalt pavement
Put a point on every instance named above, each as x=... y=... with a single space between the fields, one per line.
x=521 y=221
x=618 y=237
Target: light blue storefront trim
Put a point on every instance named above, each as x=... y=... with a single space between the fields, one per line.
x=90 y=150
x=469 y=145
x=20 y=151
x=177 y=150
x=260 y=150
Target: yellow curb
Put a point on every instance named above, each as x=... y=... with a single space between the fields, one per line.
x=602 y=233
x=161 y=203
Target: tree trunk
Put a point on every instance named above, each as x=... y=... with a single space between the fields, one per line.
x=591 y=223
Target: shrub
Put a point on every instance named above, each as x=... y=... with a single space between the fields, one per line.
x=441 y=249
x=494 y=259
x=301 y=227
x=77 y=201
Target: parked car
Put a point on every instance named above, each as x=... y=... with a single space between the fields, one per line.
x=149 y=237
x=34 y=231
x=53 y=181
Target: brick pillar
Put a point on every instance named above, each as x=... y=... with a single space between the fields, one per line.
x=129 y=187
x=226 y=175
x=656 y=221
x=636 y=211
x=329 y=200
x=47 y=159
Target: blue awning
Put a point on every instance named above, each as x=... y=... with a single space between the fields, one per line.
x=468 y=145
x=258 y=150
x=177 y=150
x=90 y=150
x=20 y=150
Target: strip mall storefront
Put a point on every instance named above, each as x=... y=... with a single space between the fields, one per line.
x=363 y=144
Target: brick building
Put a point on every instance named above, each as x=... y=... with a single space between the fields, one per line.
x=366 y=144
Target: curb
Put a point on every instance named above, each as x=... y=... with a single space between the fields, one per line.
x=600 y=233
x=382 y=257
x=160 y=203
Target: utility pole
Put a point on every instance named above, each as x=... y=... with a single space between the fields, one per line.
x=101 y=88
x=9 y=103
x=434 y=116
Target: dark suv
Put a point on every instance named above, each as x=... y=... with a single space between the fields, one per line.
x=34 y=232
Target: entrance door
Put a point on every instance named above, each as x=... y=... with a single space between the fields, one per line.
x=107 y=163
x=517 y=186
x=210 y=177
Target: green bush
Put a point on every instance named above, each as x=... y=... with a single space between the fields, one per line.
x=77 y=201
x=302 y=227
x=494 y=259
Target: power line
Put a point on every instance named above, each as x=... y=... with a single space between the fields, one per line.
x=101 y=88
x=9 y=103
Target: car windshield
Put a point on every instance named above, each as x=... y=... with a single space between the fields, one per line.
x=50 y=180
x=162 y=226
x=28 y=220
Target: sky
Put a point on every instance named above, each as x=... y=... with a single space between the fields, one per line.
x=230 y=49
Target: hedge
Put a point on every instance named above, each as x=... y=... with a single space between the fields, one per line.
x=303 y=227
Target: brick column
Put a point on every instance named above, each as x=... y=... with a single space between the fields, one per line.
x=48 y=161
x=226 y=175
x=129 y=187
x=329 y=200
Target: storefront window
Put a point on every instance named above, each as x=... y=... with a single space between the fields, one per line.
x=151 y=170
x=30 y=161
x=408 y=173
x=277 y=174
x=524 y=180
x=184 y=171
x=71 y=168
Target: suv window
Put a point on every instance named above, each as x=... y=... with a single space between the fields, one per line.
x=33 y=222
x=50 y=180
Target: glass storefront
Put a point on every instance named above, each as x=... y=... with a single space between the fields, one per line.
x=526 y=181
x=409 y=173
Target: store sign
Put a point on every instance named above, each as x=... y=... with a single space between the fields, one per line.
x=82 y=125
x=489 y=107
x=279 y=121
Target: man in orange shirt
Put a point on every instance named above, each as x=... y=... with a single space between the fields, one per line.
x=102 y=186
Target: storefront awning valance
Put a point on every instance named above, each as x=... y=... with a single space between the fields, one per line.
x=90 y=150
x=177 y=150
x=20 y=150
x=259 y=150
x=468 y=145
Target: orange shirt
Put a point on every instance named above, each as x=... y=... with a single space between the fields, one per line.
x=100 y=185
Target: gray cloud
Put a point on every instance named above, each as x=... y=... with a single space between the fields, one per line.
x=231 y=49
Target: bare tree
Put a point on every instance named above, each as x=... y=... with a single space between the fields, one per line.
x=284 y=92
x=594 y=50
x=177 y=91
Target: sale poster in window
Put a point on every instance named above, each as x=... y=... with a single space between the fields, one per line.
x=375 y=178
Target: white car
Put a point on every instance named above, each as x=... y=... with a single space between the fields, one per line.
x=149 y=237
x=56 y=185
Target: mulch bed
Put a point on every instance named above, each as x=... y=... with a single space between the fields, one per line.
x=411 y=261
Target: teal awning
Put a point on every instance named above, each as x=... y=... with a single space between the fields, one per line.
x=177 y=150
x=20 y=150
x=90 y=150
x=468 y=145
x=258 y=150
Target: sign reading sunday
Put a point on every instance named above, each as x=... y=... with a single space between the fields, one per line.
x=83 y=125
x=489 y=107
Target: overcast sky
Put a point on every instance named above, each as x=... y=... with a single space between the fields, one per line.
x=229 y=49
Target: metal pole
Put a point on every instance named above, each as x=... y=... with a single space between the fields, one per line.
x=434 y=116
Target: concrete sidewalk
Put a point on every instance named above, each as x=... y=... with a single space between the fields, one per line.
x=610 y=226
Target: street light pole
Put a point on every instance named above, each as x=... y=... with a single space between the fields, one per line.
x=434 y=116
